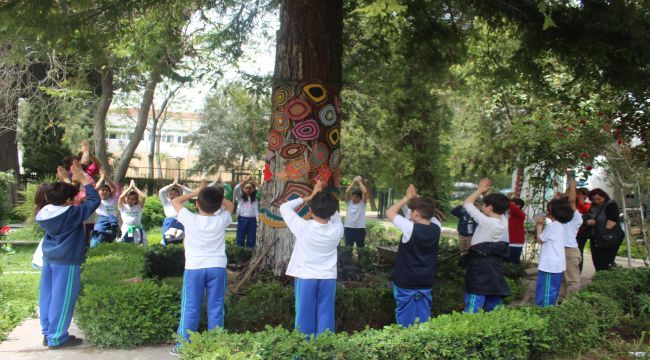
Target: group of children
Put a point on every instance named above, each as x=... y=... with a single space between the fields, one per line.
x=313 y=261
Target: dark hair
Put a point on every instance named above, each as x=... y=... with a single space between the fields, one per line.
x=499 y=203
x=426 y=206
x=252 y=196
x=324 y=205
x=518 y=202
x=175 y=188
x=68 y=160
x=106 y=186
x=583 y=191
x=60 y=192
x=210 y=199
x=40 y=198
x=599 y=192
x=357 y=192
x=132 y=193
x=561 y=210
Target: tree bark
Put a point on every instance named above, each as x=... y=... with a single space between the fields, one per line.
x=308 y=52
x=99 y=119
x=158 y=138
x=152 y=145
x=140 y=127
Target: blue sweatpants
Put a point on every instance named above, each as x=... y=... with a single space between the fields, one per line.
x=168 y=223
x=246 y=228
x=105 y=230
x=474 y=302
x=315 y=305
x=196 y=282
x=411 y=304
x=58 y=295
x=548 y=288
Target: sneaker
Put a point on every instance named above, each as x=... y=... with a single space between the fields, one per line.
x=72 y=341
x=174 y=351
x=44 y=340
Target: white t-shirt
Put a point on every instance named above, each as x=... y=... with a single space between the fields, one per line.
x=314 y=252
x=489 y=229
x=355 y=215
x=571 y=230
x=506 y=234
x=406 y=226
x=551 y=257
x=167 y=204
x=205 y=239
x=246 y=208
x=131 y=215
x=107 y=207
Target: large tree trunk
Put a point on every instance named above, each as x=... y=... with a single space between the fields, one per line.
x=99 y=119
x=152 y=143
x=158 y=139
x=308 y=53
x=140 y=127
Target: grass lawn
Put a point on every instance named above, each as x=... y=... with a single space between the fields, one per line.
x=18 y=286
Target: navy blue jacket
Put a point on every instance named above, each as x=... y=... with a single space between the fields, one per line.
x=415 y=264
x=65 y=240
x=464 y=221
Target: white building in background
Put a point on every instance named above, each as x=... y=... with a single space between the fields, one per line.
x=176 y=152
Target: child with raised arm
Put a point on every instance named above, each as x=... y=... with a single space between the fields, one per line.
x=172 y=229
x=313 y=260
x=106 y=228
x=484 y=280
x=516 y=229
x=355 y=214
x=63 y=253
x=415 y=265
x=205 y=258
x=571 y=276
x=552 y=258
x=131 y=204
x=247 y=212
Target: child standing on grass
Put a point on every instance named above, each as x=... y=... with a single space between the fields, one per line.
x=247 y=212
x=355 y=214
x=63 y=253
x=484 y=280
x=571 y=276
x=106 y=228
x=172 y=229
x=313 y=260
x=205 y=259
x=552 y=258
x=415 y=266
x=131 y=205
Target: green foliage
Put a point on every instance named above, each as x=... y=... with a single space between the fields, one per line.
x=18 y=292
x=622 y=285
x=7 y=180
x=161 y=262
x=378 y=234
x=153 y=213
x=264 y=304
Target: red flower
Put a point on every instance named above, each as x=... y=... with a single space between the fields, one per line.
x=582 y=121
x=589 y=168
x=5 y=229
x=584 y=155
x=570 y=128
x=620 y=141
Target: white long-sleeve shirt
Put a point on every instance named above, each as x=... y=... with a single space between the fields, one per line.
x=245 y=208
x=489 y=229
x=167 y=204
x=315 y=250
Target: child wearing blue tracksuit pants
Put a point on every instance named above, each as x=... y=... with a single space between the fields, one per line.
x=313 y=260
x=415 y=265
x=205 y=259
x=63 y=253
x=172 y=228
x=247 y=212
x=552 y=260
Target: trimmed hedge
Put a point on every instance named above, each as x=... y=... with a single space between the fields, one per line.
x=578 y=325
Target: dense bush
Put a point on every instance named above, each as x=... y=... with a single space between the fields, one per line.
x=161 y=262
x=7 y=180
x=25 y=208
x=623 y=286
x=153 y=213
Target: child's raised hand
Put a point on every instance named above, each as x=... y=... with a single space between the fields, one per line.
x=132 y=184
x=202 y=184
x=85 y=146
x=219 y=181
x=357 y=178
x=78 y=173
x=484 y=185
x=175 y=180
x=62 y=174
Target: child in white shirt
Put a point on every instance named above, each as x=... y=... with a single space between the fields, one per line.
x=552 y=261
x=172 y=229
x=247 y=212
x=313 y=260
x=131 y=204
x=205 y=259
x=355 y=214
x=106 y=227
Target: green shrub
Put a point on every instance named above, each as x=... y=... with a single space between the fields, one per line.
x=25 y=208
x=264 y=304
x=501 y=334
x=161 y=262
x=238 y=255
x=7 y=180
x=153 y=213
x=622 y=285
x=578 y=325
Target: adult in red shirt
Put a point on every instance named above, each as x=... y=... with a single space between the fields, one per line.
x=582 y=194
x=516 y=230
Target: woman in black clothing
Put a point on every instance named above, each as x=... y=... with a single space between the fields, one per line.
x=602 y=217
